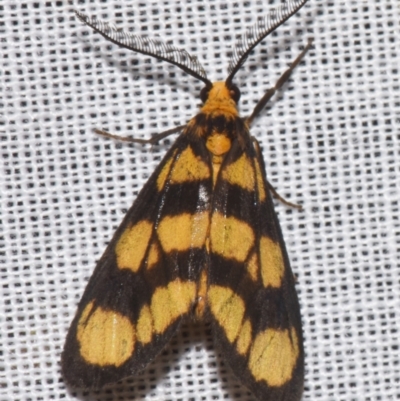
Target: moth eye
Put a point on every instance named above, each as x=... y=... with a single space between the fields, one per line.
x=235 y=93
x=204 y=94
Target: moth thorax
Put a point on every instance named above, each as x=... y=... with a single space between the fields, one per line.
x=218 y=144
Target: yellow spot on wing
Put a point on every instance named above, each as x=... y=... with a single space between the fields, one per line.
x=244 y=338
x=260 y=182
x=253 y=267
x=184 y=231
x=189 y=167
x=131 y=246
x=273 y=356
x=228 y=309
x=240 y=173
x=105 y=337
x=165 y=172
x=170 y=302
x=230 y=237
x=272 y=266
x=145 y=325
x=153 y=256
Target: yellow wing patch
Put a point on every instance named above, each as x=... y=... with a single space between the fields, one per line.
x=189 y=167
x=153 y=256
x=170 y=302
x=230 y=237
x=273 y=356
x=228 y=309
x=145 y=326
x=162 y=177
x=262 y=195
x=184 y=231
x=252 y=267
x=240 y=173
x=105 y=337
x=272 y=266
x=131 y=246
x=244 y=338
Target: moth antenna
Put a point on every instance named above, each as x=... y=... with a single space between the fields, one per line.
x=151 y=47
x=258 y=32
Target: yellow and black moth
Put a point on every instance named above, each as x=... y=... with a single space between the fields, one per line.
x=202 y=240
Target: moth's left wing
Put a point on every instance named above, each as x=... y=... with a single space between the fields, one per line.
x=251 y=297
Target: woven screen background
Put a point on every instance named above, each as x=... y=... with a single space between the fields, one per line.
x=330 y=138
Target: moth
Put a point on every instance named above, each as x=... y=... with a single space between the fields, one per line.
x=201 y=240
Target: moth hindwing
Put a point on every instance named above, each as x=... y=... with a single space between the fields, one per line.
x=202 y=239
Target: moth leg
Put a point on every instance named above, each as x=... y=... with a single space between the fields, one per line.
x=153 y=140
x=269 y=185
x=282 y=79
x=281 y=198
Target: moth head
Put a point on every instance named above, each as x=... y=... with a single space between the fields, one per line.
x=220 y=91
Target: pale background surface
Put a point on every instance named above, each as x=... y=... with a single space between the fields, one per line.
x=330 y=141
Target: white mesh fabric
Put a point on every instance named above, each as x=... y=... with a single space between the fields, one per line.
x=330 y=140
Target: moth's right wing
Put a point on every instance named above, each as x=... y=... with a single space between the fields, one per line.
x=146 y=281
